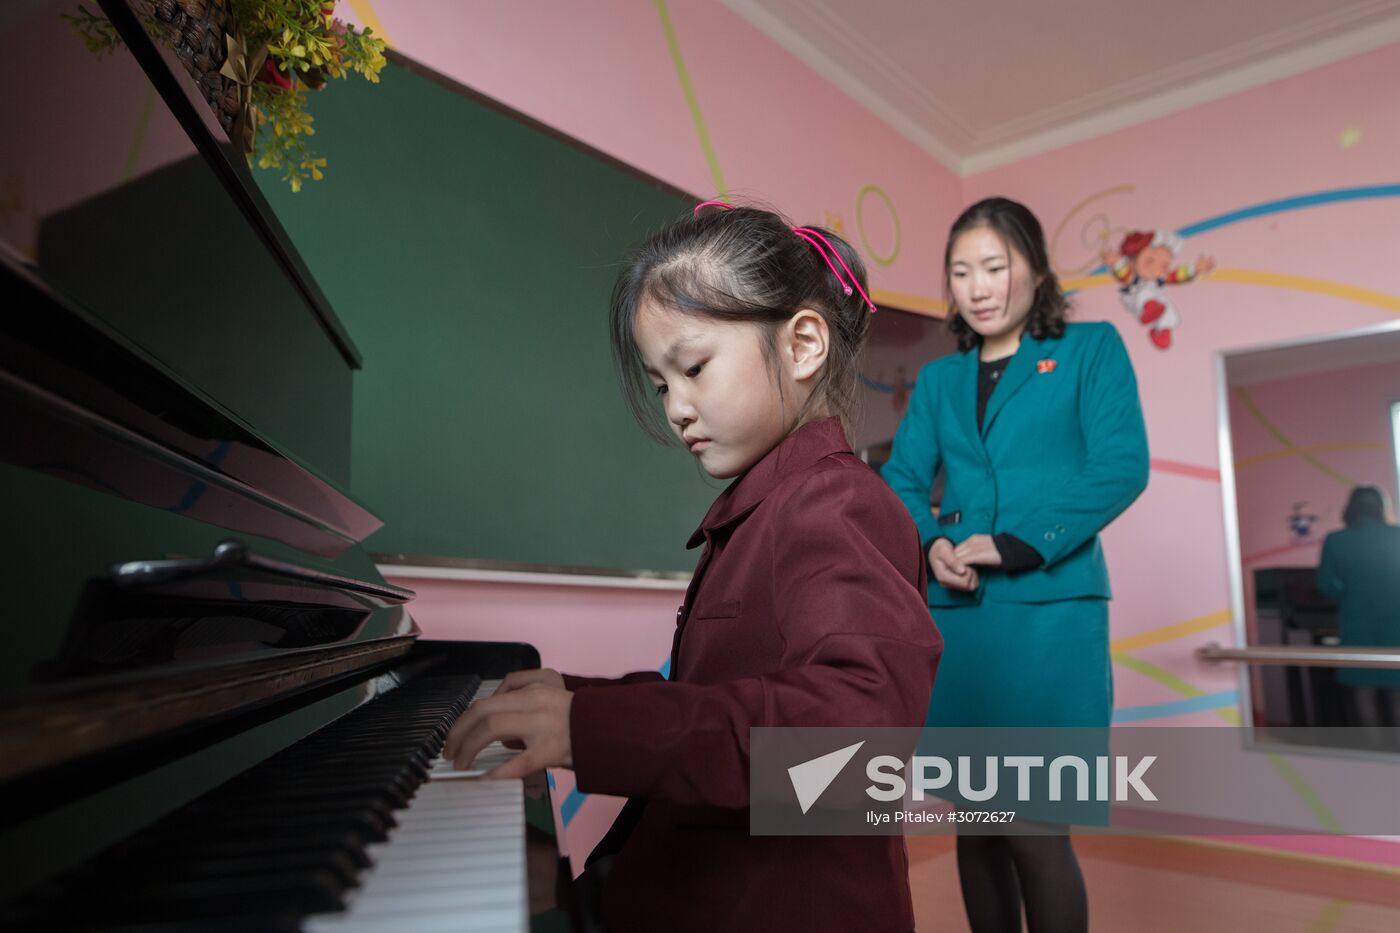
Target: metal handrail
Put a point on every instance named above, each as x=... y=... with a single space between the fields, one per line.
x=1303 y=656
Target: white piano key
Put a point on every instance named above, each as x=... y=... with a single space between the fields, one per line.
x=445 y=862
x=482 y=876
x=396 y=903
x=482 y=922
x=490 y=757
x=486 y=922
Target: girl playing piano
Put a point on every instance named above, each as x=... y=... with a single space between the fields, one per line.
x=806 y=608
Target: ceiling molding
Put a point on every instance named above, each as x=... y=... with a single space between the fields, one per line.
x=828 y=69
x=1353 y=24
x=922 y=119
x=947 y=124
x=1245 y=78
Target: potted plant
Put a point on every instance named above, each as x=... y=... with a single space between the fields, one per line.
x=254 y=61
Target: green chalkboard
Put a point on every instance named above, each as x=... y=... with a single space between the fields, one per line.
x=471 y=257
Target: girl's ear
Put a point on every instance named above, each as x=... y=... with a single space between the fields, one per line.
x=807 y=340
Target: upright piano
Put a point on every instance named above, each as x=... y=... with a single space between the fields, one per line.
x=214 y=711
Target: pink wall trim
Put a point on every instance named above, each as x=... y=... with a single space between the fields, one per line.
x=579 y=629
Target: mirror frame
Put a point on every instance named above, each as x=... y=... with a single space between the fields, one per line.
x=1230 y=512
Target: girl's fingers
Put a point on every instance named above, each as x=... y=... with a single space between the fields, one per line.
x=523 y=765
x=470 y=721
x=518 y=680
x=488 y=729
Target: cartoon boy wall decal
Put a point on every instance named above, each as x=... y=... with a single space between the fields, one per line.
x=1144 y=264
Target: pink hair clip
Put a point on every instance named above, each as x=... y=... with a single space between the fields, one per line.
x=847 y=281
x=705 y=204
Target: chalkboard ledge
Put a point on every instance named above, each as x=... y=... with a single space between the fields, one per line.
x=406 y=566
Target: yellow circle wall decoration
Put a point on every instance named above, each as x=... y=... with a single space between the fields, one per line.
x=860 y=224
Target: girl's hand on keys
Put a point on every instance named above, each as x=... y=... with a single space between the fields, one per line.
x=517 y=680
x=535 y=715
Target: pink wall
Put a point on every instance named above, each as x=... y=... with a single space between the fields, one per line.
x=1283 y=274
x=1326 y=266
x=605 y=73
x=584 y=629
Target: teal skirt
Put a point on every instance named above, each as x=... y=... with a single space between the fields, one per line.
x=1023 y=664
x=1024 y=678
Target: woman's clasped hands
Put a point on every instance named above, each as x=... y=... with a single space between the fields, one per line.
x=955 y=566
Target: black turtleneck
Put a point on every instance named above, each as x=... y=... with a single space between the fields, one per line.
x=988 y=375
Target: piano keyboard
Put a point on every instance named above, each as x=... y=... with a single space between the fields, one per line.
x=360 y=826
x=456 y=861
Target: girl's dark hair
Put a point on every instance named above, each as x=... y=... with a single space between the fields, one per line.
x=741 y=264
x=1019 y=229
x=1365 y=505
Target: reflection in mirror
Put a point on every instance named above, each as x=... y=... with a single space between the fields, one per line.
x=1312 y=434
x=899 y=344
x=104 y=194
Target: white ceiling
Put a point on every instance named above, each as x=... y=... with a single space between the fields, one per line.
x=981 y=83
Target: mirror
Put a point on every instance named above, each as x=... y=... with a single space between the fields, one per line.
x=1309 y=437
x=899 y=344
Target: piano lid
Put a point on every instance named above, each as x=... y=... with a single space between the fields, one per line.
x=160 y=234
x=88 y=402
x=170 y=379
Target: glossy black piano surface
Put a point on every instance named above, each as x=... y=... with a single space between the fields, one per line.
x=210 y=699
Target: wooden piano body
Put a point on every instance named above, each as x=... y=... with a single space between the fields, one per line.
x=214 y=712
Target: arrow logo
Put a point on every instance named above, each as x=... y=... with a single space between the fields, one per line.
x=811 y=778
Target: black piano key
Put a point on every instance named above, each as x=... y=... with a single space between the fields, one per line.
x=360 y=824
x=303 y=892
x=261 y=861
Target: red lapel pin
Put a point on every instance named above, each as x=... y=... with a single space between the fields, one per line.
x=1045 y=366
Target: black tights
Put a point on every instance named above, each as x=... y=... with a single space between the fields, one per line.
x=998 y=873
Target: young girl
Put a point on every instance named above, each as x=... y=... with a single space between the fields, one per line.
x=806 y=607
x=1037 y=428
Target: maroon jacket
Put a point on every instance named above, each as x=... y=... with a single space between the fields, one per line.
x=807 y=608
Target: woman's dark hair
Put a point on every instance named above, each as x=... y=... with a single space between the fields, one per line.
x=1365 y=505
x=741 y=264
x=1019 y=229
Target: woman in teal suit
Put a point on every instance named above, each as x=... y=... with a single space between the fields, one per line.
x=1360 y=568
x=1037 y=428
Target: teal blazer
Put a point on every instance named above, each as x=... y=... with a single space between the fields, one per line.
x=1062 y=451
x=1360 y=568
